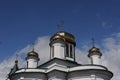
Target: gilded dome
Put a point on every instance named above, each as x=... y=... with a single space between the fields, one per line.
x=64 y=36
x=32 y=54
x=94 y=51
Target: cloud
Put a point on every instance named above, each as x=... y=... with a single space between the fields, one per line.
x=111 y=55
x=110 y=58
x=81 y=56
x=41 y=47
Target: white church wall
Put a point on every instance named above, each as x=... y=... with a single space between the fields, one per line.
x=32 y=63
x=95 y=59
x=89 y=75
x=59 y=50
x=57 y=75
x=29 y=76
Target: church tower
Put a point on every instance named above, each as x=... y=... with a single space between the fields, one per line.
x=95 y=55
x=32 y=59
x=62 y=45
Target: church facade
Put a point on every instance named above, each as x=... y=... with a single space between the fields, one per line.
x=62 y=64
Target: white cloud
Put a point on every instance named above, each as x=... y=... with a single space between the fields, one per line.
x=41 y=47
x=81 y=56
x=110 y=58
x=111 y=55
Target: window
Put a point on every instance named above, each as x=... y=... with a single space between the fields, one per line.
x=69 y=51
x=52 y=51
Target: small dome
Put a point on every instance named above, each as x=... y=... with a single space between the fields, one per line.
x=94 y=51
x=32 y=54
x=64 y=36
x=16 y=61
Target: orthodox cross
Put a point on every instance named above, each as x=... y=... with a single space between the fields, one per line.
x=93 y=42
x=33 y=46
x=61 y=25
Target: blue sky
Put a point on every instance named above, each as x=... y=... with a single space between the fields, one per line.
x=23 y=21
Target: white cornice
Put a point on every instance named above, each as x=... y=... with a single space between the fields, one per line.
x=62 y=68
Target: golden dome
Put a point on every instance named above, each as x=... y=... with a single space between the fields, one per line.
x=94 y=51
x=32 y=54
x=64 y=36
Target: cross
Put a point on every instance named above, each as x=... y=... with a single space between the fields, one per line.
x=93 y=42
x=33 y=45
x=61 y=25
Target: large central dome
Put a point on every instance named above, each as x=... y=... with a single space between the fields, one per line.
x=64 y=36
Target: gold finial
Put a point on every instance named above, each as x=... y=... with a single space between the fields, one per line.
x=61 y=25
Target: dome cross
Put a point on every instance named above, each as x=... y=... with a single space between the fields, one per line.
x=61 y=25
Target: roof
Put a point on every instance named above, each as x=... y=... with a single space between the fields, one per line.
x=14 y=69
x=63 y=36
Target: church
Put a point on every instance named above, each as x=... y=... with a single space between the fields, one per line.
x=62 y=64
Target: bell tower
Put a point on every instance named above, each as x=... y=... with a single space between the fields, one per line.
x=62 y=45
x=95 y=54
x=32 y=59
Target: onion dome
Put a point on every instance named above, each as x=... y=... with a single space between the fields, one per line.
x=32 y=54
x=94 y=51
x=63 y=36
x=16 y=61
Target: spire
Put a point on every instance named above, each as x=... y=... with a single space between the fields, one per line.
x=15 y=68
